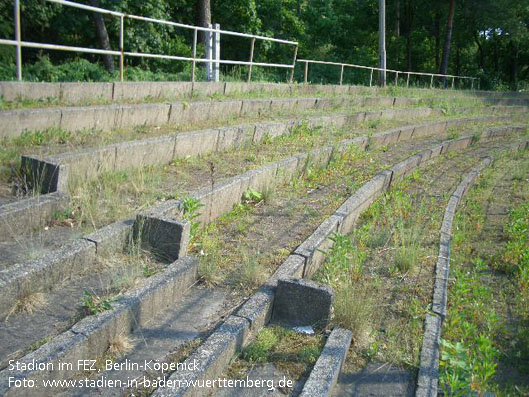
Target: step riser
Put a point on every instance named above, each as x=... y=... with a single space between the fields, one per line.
x=79 y=93
x=109 y=117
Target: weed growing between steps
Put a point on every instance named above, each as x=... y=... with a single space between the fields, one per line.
x=485 y=346
x=291 y=353
x=382 y=273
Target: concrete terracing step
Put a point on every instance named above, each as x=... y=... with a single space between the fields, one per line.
x=82 y=93
x=216 y=352
x=53 y=172
x=156 y=289
x=114 y=116
x=50 y=270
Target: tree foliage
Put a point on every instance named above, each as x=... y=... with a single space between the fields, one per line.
x=490 y=37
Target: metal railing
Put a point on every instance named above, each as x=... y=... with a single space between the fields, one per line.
x=19 y=43
x=397 y=72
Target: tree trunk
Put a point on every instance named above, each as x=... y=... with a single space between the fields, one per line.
x=437 y=38
x=397 y=19
x=203 y=17
x=102 y=35
x=409 y=17
x=481 y=54
x=448 y=38
x=516 y=66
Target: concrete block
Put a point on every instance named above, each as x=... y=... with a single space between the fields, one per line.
x=351 y=209
x=258 y=309
x=141 y=153
x=18 y=90
x=85 y=93
x=29 y=214
x=376 y=115
x=166 y=238
x=112 y=238
x=213 y=357
x=287 y=169
x=163 y=290
x=456 y=144
x=300 y=302
x=271 y=130
x=255 y=107
x=320 y=158
x=67 y=347
x=309 y=103
x=284 y=105
x=262 y=178
x=144 y=114
x=208 y=88
x=43 y=175
x=315 y=248
x=406 y=166
x=195 y=143
x=293 y=266
x=88 y=164
x=15 y=122
x=91 y=117
x=428 y=378
x=220 y=198
x=324 y=375
x=177 y=113
x=223 y=110
x=231 y=138
x=144 y=90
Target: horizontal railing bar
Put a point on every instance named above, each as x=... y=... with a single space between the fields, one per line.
x=387 y=70
x=170 y=23
x=30 y=44
x=204 y=60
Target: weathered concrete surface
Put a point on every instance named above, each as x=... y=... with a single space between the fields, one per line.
x=45 y=273
x=429 y=367
x=324 y=375
x=112 y=238
x=28 y=214
x=272 y=378
x=213 y=356
x=300 y=302
x=91 y=337
x=376 y=380
x=314 y=248
x=166 y=238
x=184 y=321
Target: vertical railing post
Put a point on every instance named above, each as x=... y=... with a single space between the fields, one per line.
x=18 y=39
x=408 y=81
x=216 y=53
x=193 y=67
x=341 y=76
x=431 y=82
x=293 y=65
x=121 y=49
x=251 y=60
x=396 y=78
x=209 y=53
x=479 y=83
x=371 y=78
x=453 y=82
x=306 y=77
x=472 y=84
